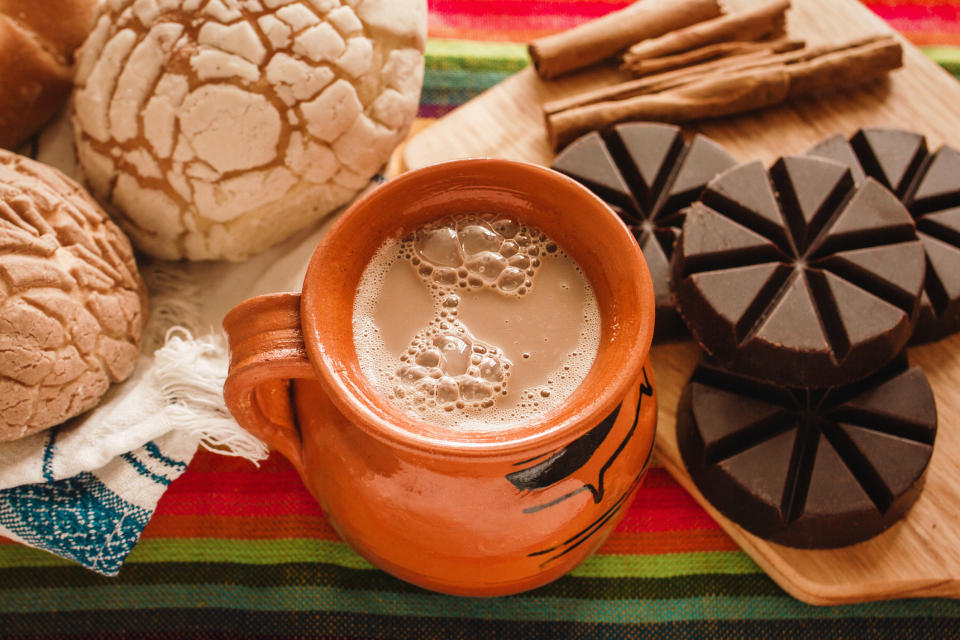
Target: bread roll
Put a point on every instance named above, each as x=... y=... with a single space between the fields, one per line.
x=72 y=304
x=216 y=129
x=37 y=41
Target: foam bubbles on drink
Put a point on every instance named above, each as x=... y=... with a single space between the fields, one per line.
x=446 y=375
x=446 y=367
x=474 y=253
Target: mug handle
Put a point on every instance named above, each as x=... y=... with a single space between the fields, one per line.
x=266 y=352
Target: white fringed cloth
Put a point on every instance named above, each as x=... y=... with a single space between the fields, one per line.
x=86 y=489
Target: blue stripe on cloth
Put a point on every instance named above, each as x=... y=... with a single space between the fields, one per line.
x=48 y=451
x=144 y=471
x=154 y=451
x=77 y=518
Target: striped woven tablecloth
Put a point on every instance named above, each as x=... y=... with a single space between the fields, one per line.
x=235 y=551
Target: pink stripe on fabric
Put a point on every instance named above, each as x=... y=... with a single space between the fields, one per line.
x=585 y=8
x=946 y=12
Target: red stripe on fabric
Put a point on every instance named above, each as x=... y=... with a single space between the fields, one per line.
x=209 y=469
x=221 y=497
x=255 y=482
x=455 y=32
x=665 y=509
x=947 y=12
x=496 y=27
x=522 y=22
x=208 y=461
x=578 y=10
x=276 y=490
x=658 y=477
x=240 y=499
x=663 y=505
x=512 y=21
x=644 y=517
x=239 y=504
x=240 y=528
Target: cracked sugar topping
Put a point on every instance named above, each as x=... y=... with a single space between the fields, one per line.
x=217 y=128
x=72 y=305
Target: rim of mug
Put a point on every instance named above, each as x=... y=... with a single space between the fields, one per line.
x=401 y=428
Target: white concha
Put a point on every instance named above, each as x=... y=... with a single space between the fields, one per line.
x=214 y=129
x=72 y=304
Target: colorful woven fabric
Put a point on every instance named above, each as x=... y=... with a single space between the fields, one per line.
x=476 y=43
x=233 y=551
x=95 y=517
x=239 y=552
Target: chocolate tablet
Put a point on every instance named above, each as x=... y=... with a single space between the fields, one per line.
x=796 y=275
x=929 y=185
x=809 y=468
x=648 y=175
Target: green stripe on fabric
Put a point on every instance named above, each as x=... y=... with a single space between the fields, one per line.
x=464 y=55
x=469 y=55
x=947 y=57
x=458 y=70
x=252 y=552
x=666 y=565
x=455 y=85
x=524 y=607
x=288 y=550
x=329 y=575
x=15 y=555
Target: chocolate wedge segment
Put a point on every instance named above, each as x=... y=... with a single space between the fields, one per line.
x=804 y=467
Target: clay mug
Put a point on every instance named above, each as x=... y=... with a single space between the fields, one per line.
x=472 y=513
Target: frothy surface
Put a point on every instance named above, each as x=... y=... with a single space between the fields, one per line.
x=475 y=324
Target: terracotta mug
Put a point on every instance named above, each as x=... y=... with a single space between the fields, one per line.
x=472 y=513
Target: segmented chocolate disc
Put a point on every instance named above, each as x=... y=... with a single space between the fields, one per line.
x=929 y=185
x=796 y=275
x=648 y=175
x=809 y=468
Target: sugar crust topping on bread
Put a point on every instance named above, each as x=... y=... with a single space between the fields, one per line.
x=216 y=128
x=72 y=304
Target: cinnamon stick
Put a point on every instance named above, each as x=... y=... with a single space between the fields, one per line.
x=668 y=80
x=709 y=98
x=846 y=67
x=754 y=24
x=710 y=52
x=681 y=77
x=607 y=36
x=733 y=93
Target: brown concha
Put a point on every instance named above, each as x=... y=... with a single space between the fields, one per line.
x=72 y=304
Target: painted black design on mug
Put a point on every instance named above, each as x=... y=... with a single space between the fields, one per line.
x=597 y=449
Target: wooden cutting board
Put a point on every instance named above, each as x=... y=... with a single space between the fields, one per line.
x=920 y=556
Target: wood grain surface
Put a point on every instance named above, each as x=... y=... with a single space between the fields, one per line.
x=920 y=556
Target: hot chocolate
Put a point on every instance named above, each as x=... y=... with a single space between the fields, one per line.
x=475 y=323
